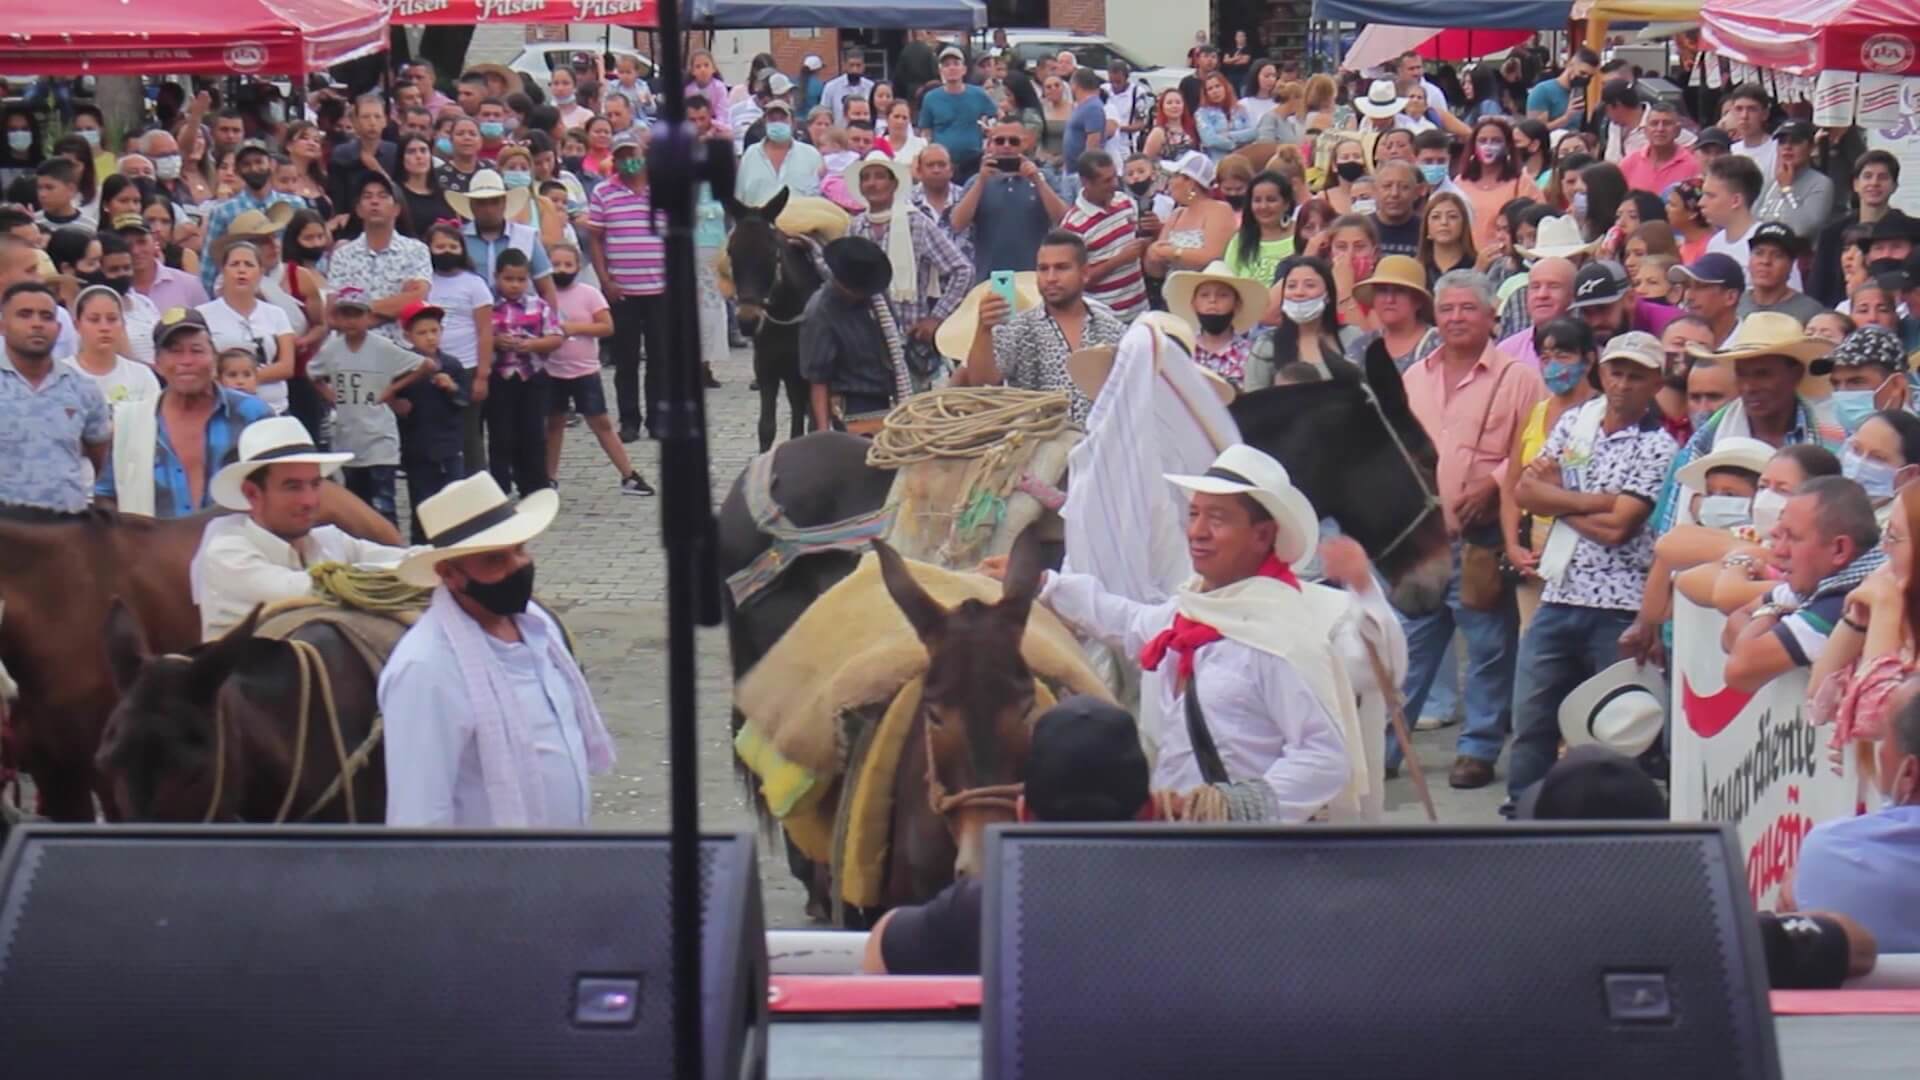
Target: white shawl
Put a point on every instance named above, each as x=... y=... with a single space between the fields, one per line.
x=136 y=429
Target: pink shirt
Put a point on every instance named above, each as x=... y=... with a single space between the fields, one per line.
x=1519 y=345
x=579 y=355
x=1497 y=387
x=1644 y=174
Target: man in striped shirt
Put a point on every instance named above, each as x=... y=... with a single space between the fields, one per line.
x=1106 y=220
x=631 y=261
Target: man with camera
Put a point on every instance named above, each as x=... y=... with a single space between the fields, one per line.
x=1007 y=205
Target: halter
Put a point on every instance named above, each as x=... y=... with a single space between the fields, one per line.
x=1430 y=501
x=993 y=796
x=779 y=277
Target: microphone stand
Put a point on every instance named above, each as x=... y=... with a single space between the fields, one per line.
x=677 y=163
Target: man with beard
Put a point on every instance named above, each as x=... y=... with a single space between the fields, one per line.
x=490 y=723
x=261 y=556
x=254 y=163
x=930 y=274
x=1029 y=350
x=53 y=410
x=1606 y=302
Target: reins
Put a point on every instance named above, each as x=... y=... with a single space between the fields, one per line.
x=1431 y=501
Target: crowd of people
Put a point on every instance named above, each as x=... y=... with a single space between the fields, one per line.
x=1657 y=344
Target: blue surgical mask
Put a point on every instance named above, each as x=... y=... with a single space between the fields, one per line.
x=1725 y=511
x=92 y=135
x=276 y=113
x=443 y=146
x=1561 y=376
x=1580 y=205
x=1434 y=173
x=779 y=131
x=563 y=102
x=516 y=178
x=1851 y=408
x=20 y=140
x=492 y=129
x=1874 y=477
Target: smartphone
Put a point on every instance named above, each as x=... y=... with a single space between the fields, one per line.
x=1008 y=165
x=1002 y=281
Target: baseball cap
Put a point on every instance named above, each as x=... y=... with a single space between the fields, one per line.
x=778 y=83
x=251 y=146
x=175 y=321
x=1638 y=346
x=1713 y=136
x=1793 y=131
x=1193 y=165
x=1085 y=763
x=352 y=296
x=630 y=139
x=1778 y=234
x=1597 y=283
x=419 y=309
x=130 y=222
x=954 y=51
x=1712 y=268
x=813 y=63
x=1593 y=783
x=1869 y=345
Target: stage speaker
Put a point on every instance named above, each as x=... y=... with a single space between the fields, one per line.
x=1562 y=951
x=338 y=952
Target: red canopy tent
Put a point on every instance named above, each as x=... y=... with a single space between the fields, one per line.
x=1806 y=37
x=630 y=13
x=189 y=37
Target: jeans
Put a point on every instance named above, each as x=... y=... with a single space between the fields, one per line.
x=473 y=440
x=1491 y=644
x=637 y=319
x=1443 y=694
x=425 y=478
x=1564 y=646
x=374 y=486
x=517 y=434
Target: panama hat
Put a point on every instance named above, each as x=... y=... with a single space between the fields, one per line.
x=253 y=223
x=1182 y=284
x=470 y=516
x=1242 y=470
x=277 y=440
x=1091 y=367
x=1558 y=237
x=1768 y=333
x=1403 y=271
x=1731 y=452
x=487 y=184
x=902 y=180
x=1382 y=100
x=954 y=339
x=1624 y=709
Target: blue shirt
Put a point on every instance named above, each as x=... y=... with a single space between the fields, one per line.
x=1007 y=224
x=221 y=217
x=953 y=120
x=1088 y=118
x=1866 y=868
x=172 y=497
x=44 y=432
x=1549 y=97
x=521 y=238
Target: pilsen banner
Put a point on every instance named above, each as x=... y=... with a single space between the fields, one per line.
x=1755 y=760
x=480 y=12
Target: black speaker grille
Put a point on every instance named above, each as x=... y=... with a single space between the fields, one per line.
x=314 y=958
x=1480 y=958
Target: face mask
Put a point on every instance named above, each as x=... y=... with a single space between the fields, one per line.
x=563 y=102
x=443 y=146
x=1238 y=202
x=446 y=262
x=631 y=166
x=1434 y=173
x=1365 y=206
x=92 y=135
x=1216 y=322
x=1139 y=187
x=258 y=180
x=1350 y=170
x=1874 y=477
x=564 y=280
x=1725 y=511
x=779 y=132
x=853 y=78
x=304 y=255
x=1767 y=504
x=21 y=141
x=93 y=277
x=511 y=123
x=1304 y=311
x=492 y=129
x=276 y=113
x=1561 y=376
x=167 y=167
x=122 y=284
x=1852 y=407
x=1491 y=152
x=508 y=596
x=516 y=178
x=1580 y=205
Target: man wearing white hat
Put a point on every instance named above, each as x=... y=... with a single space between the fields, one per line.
x=931 y=275
x=490 y=723
x=1257 y=714
x=263 y=557
x=488 y=207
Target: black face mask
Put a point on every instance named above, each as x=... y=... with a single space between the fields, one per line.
x=508 y=596
x=1139 y=187
x=853 y=78
x=92 y=277
x=1238 y=202
x=1214 y=322
x=304 y=255
x=122 y=284
x=573 y=164
x=1350 y=170
x=563 y=280
x=446 y=262
x=257 y=181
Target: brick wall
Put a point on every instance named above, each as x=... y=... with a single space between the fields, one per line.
x=788 y=51
x=1088 y=15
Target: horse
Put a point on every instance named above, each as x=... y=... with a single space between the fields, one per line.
x=216 y=734
x=773 y=278
x=57 y=584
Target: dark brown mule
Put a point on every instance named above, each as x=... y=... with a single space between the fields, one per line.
x=774 y=276
x=59 y=574
x=214 y=734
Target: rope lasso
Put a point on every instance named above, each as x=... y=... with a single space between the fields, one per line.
x=367 y=588
x=965 y=422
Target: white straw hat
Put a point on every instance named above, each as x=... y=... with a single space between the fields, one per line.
x=1382 y=100
x=1182 y=284
x=277 y=440
x=470 y=516
x=1242 y=470
x=1624 y=709
x=487 y=184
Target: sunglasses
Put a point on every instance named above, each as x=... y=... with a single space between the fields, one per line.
x=1004 y=140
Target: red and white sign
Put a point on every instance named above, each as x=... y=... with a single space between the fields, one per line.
x=1753 y=759
x=188 y=37
x=474 y=12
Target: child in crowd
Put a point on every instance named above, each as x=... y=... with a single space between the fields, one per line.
x=238 y=369
x=431 y=404
x=355 y=373
x=573 y=370
x=525 y=331
x=1652 y=280
x=57 y=185
x=836 y=151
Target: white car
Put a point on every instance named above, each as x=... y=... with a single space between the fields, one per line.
x=537 y=61
x=1094 y=51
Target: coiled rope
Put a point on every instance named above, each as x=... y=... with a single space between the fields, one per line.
x=367 y=588
x=966 y=422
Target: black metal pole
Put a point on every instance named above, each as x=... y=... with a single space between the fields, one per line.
x=676 y=165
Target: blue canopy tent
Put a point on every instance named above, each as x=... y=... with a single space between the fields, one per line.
x=866 y=14
x=1483 y=15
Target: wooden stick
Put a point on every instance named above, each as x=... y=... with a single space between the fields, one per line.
x=1391 y=691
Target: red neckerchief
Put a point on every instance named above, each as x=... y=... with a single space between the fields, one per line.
x=1186 y=636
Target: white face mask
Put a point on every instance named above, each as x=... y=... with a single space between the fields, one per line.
x=1725 y=511
x=1304 y=311
x=1767 y=504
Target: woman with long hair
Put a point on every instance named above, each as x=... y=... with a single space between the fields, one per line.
x=1260 y=92
x=1654 y=237
x=1493 y=176
x=1566 y=181
x=307 y=149
x=1056 y=107
x=880 y=98
x=158 y=210
x=239 y=318
x=1533 y=146
x=1346 y=164
x=1638 y=208
x=598 y=160
x=22 y=151
x=1603 y=188
x=80 y=152
x=1689 y=223
x=1446 y=240
x=1480 y=91
x=1315 y=216
x=1265 y=237
x=456 y=172
x=1322 y=94
x=901 y=140
x=1497 y=259
x=424 y=201
x=118 y=195
x=1305 y=327
x=99 y=321
x=466 y=333
x=1569 y=359
x=1173 y=132
x=1197 y=231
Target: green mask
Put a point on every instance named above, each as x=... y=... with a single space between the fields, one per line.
x=631 y=166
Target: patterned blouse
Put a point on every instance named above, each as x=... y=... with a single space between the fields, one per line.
x=1229 y=363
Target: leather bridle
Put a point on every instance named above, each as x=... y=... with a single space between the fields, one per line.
x=1431 y=501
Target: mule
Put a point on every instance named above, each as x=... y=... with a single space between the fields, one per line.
x=773 y=278
x=215 y=734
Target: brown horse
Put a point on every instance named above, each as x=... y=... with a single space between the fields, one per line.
x=217 y=735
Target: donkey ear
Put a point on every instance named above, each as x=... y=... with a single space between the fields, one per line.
x=219 y=659
x=926 y=614
x=771 y=211
x=1025 y=564
x=1384 y=377
x=127 y=649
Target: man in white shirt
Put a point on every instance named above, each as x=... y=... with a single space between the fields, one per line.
x=1122 y=108
x=851 y=82
x=490 y=723
x=1412 y=67
x=263 y=557
x=1743 y=112
x=1728 y=193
